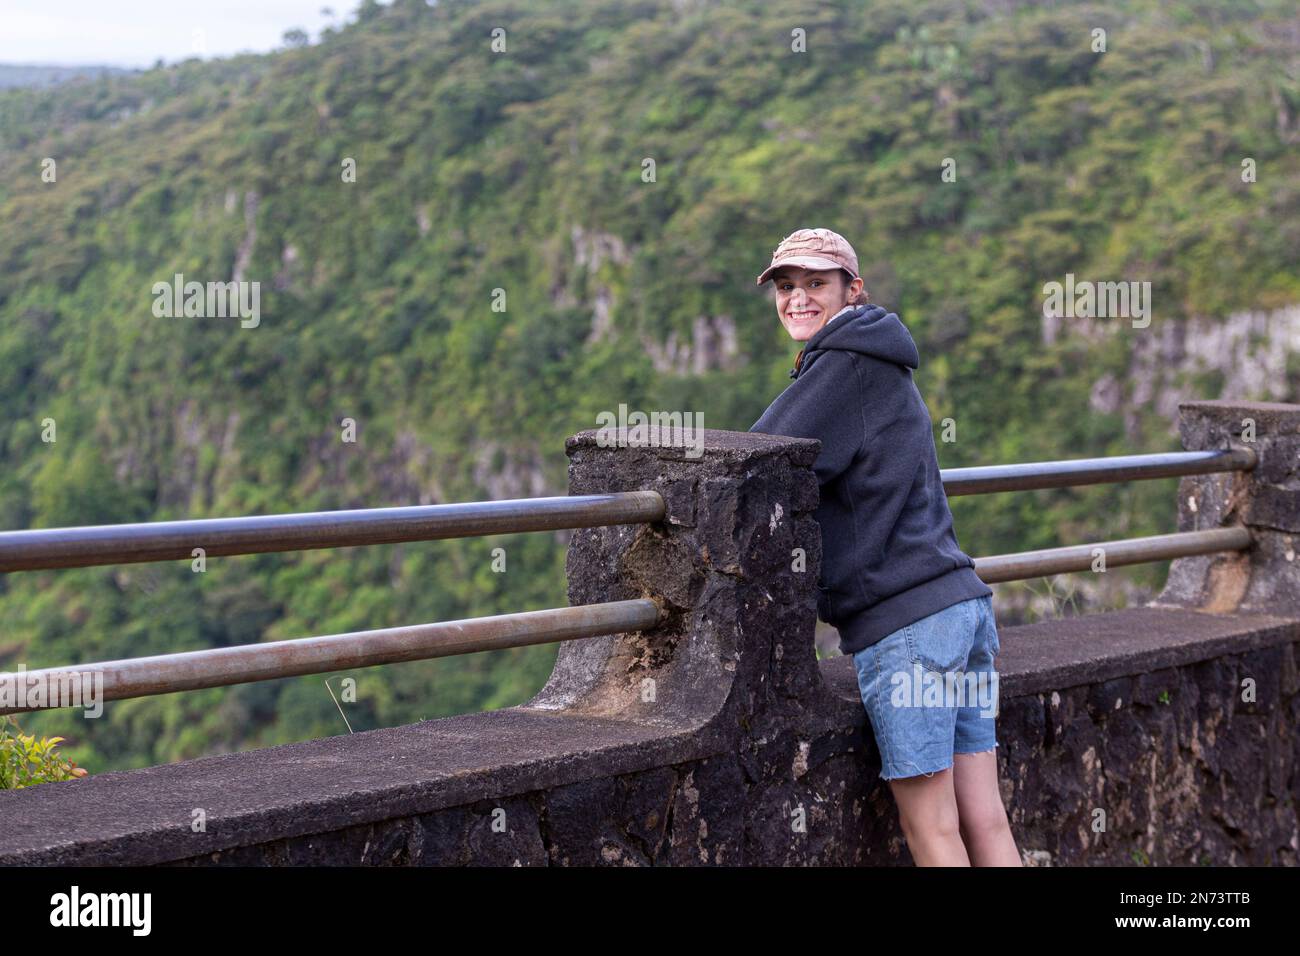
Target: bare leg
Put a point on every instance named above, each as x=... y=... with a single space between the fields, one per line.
x=983 y=819
x=927 y=809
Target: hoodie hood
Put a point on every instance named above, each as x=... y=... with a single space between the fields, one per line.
x=869 y=329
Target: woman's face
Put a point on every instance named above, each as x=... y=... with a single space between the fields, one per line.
x=806 y=299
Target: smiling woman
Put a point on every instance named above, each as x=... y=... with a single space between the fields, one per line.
x=815 y=277
x=893 y=580
x=808 y=299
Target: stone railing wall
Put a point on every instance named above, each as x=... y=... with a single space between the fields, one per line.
x=1162 y=734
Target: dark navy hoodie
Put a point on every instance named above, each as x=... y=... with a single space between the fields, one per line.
x=889 y=554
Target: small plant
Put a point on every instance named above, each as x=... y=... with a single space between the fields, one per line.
x=1164 y=697
x=26 y=761
x=1066 y=595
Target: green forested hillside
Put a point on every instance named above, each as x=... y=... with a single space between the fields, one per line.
x=522 y=171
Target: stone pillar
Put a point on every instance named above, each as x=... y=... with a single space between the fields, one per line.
x=735 y=654
x=1265 y=500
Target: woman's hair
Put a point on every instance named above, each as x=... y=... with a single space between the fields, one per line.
x=862 y=297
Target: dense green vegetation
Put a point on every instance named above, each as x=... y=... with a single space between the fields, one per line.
x=522 y=171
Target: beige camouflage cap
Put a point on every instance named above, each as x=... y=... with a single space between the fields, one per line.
x=813 y=249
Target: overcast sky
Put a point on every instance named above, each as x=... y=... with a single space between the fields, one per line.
x=139 y=32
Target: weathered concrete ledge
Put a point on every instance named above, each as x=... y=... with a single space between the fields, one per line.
x=719 y=738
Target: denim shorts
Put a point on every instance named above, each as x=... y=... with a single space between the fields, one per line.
x=930 y=689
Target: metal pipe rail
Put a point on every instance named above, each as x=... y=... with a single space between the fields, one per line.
x=1079 y=557
x=223 y=666
x=191 y=670
x=986 y=479
x=169 y=540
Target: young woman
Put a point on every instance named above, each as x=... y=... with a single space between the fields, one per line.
x=905 y=598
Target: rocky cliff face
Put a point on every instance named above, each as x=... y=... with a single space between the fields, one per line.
x=1252 y=355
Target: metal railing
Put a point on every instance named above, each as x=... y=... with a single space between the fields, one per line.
x=166 y=540
x=223 y=666
x=986 y=479
x=42 y=549
x=1091 y=471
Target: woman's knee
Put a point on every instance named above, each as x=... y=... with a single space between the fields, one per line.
x=983 y=820
x=926 y=804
